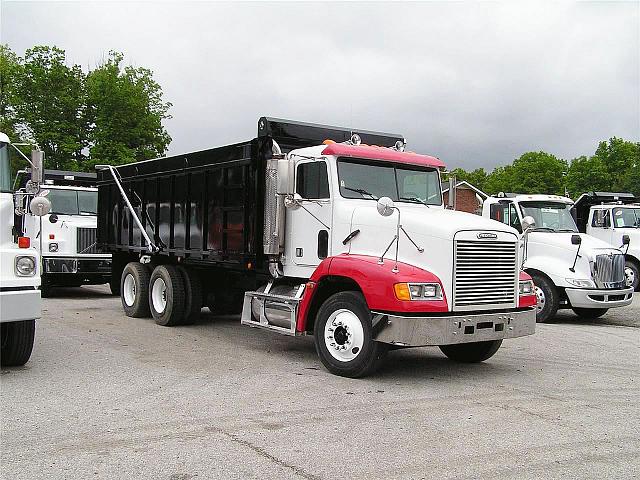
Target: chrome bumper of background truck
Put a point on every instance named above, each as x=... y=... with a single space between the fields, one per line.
x=447 y=330
x=583 y=298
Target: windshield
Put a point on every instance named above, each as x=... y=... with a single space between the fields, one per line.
x=73 y=202
x=550 y=215
x=5 y=170
x=363 y=179
x=626 y=217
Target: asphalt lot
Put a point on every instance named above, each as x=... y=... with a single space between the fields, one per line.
x=106 y=396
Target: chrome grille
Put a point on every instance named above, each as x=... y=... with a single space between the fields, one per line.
x=485 y=275
x=609 y=271
x=87 y=240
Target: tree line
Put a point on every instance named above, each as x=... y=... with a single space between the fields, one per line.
x=614 y=167
x=109 y=114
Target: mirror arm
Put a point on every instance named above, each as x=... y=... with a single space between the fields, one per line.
x=573 y=267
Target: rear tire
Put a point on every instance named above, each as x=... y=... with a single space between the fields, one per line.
x=16 y=342
x=134 y=290
x=546 y=296
x=471 y=352
x=193 y=295
x=166 y=296
x=344 y=336
x=590 y=313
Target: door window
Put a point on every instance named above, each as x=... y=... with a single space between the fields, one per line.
x=312 y=181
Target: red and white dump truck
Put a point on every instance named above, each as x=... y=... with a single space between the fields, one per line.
x=315 y=230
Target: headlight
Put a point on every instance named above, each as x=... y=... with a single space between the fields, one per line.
x=525 y=288
x=581 y=282
x=25 y=266
x=418 y=291
x=53 y=247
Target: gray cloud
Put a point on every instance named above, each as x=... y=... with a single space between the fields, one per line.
x=476 y=84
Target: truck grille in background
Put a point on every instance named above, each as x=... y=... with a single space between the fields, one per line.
x=485 y=274
x=609 y=271
x=87 y=240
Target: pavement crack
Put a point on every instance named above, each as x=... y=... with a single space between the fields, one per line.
x=263 y=453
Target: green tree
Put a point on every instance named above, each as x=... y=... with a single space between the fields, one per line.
x=587 y=174
x=9 y=66
x=51 y=106
x=533 y=172
x=621 y=159
x=126 y=112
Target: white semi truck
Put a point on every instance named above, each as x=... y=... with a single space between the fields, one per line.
x=308 y=231
x=20 y=303
x=569 y=269
x=615 y=219
x=70 y=257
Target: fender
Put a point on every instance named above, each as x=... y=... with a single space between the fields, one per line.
x=376 y=283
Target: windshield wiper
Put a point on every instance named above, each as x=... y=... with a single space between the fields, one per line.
x=361 y=191
x=414 y=200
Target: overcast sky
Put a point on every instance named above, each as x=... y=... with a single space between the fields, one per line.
x=476 y=84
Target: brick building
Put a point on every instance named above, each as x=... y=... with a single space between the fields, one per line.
x=468 y=198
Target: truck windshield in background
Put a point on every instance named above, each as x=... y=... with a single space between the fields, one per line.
x=363 y=179
x=73 y=202
x=5 y=170
x=626 y=217
x=550 y=215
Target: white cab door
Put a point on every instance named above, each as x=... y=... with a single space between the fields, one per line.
x=309 y=224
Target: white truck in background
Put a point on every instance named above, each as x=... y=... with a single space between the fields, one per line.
x=569 y=269
x=70 y=257
x=615 y=219
x=20 y=303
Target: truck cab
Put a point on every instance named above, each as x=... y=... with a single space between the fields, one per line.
x=20 y=303
x=570 y=269
x=613 y=218
x=69 y=252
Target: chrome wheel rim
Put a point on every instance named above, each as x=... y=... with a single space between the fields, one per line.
x=129 y=290
x=541 y=300
x=159 y=295
x=630 y=276
x=343 y=335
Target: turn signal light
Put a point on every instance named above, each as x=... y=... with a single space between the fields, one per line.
x=52 y=236
x=402 y=291
x=24 y=242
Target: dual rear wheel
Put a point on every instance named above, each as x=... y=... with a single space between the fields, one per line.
x=171 y=295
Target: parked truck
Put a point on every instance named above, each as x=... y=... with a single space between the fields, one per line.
x=315 y=230
x=20 y=303
x=70 y=257
x=569 y=269
x=615 y=219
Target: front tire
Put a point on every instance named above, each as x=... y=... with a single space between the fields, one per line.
x=17 y=342
x=590 y=313
x=546 y=296
x=344 y=336
x=134 y=290
x=167 y=296
x=471 y=352
x=632 y=272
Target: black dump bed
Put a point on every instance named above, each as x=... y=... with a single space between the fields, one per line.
x=583 y=204
x=206 y=206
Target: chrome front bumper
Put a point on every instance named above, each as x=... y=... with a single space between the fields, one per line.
x=17 y=305
x=452 y=329
x=584 y=298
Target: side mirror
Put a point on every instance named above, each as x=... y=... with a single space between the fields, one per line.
x=528 y=222
x=626 y=240
x=40 y=206
x=53 y=218
x=286 y=174
x=385 y=206
x=576 y=239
